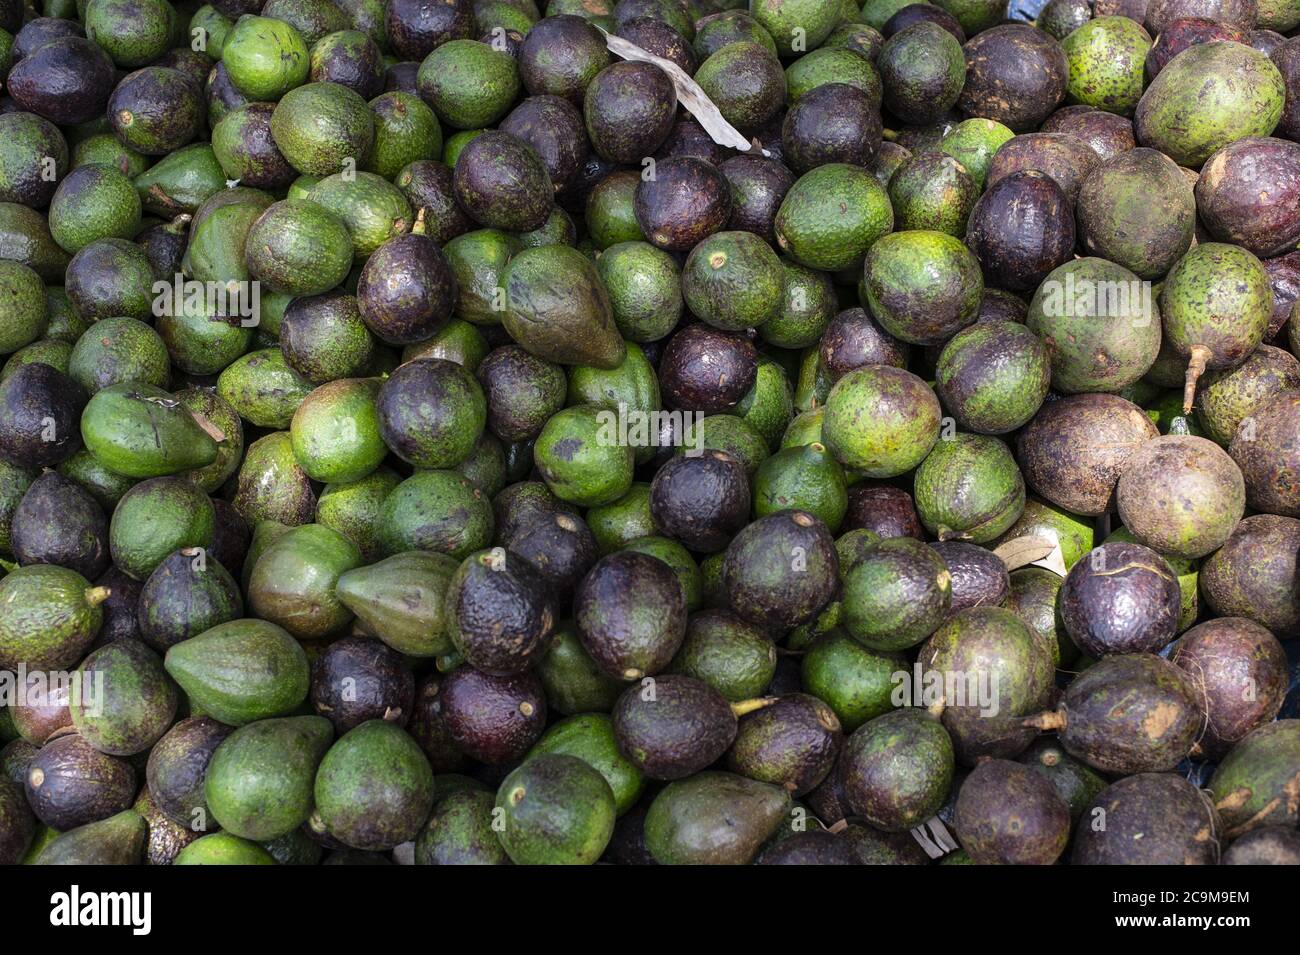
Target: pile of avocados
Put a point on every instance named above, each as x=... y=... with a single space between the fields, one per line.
x=422 y=441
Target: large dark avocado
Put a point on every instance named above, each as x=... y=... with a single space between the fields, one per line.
x=501 y=612
x=40 y=413
x=69 y=783
x=1152 y=732
x=58 y=522
x=493 y=719
x=67 y=80
x=358 y=679
x=781 y=570
x=631 y=615
x=629 y=109
x=673 y=726
x=406 y=289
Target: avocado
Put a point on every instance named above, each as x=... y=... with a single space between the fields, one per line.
x=897 y=769
x=241 y=671
x=93 y=202
x=17 y=824
x=1007 y=814
x=1171 y=815
x=922 y=72
x=501 y=612
x=270 y=486
x=156 y=110
x=437 y=511
x=185 y=595
x=713 y=818
x=406 y=132
x=745 y=82
x=406 y=290
x=374 y=788
x=1126 y=740
x=259 y=780
x=473 y=705
x=66 y=80
x=26 y=140
x=629 y=109
x=320 y=127
x=630 y=612
x=335 y=431
x=1250 y=784
x=155 y=518
x=460 y=829
x=792 y=743
x=68 y=783
x=470 y=85
x=293 y=581
x=138 y=700
x=431 y=411
x=58 y=522
x=979 y=510
x=673 y=726
x=132 y=33
x=49 y=618
x=857 y=683
x=176 y=768
x=117 y=840
x=222 y=848
x=1230 y=89
x=562 y=54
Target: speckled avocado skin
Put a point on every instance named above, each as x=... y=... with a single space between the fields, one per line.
x=1208 y=96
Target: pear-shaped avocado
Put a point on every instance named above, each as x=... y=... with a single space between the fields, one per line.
x=142 y=431
x=180 y=182
x=402 y=601
x=293 y=582
x=125 y=701
x=713 y=818
x=117 y=840
x=221 y=848
x=259 y=781
x=48 y=617
x=241 y=671
x=556 y=810
x=374 y=788
x=558 y=309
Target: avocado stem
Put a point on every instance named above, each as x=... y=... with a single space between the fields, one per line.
x=1048 y=722
x=97 y=595
x=418 y=227
x=1196 y=362
x=749 y=706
